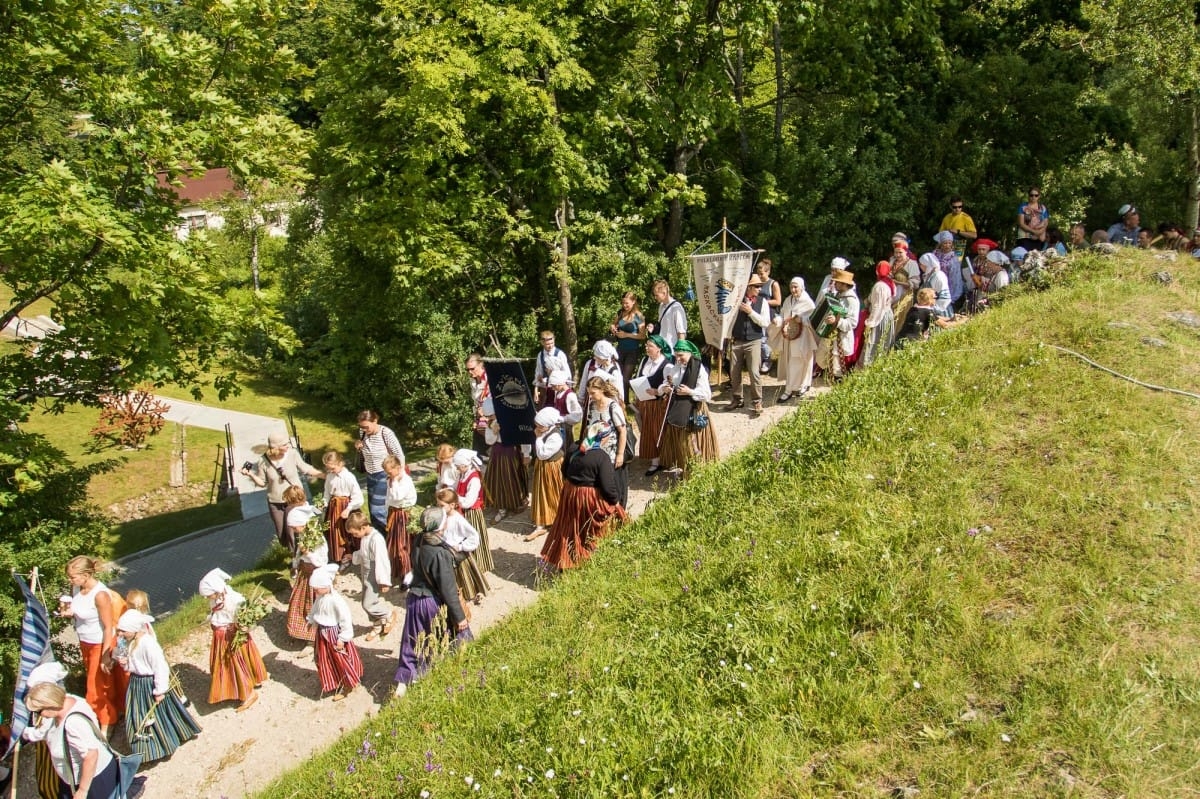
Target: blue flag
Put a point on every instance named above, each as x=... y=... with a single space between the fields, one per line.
x=35 y=650
x=512 y=400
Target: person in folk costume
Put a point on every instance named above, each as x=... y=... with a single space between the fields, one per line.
x=549 y=359
x=156 y=722
x=79 y=751
x=304 y=563
x=838 y=346
x=506 y=479
x=652 y=410
x=401 y=497
x=566 y=402
x=50 y=785
x=605 y=409
x=375 y=572
x=950 y=262
x=547 y=470
x=470 y=502
x=880 y=324
x=342 y=495
x=588 y=509
x=279 y=468
x=687 y=388
x=94 y=609
x=463 y=540
x=339 y=666
x=793 y=338
x=905 y=271
x=433 y=588
x=375 y=443
x=603 y=363
x=480 y=390
x=447 y=473
x=932 y=278
x=236 y=673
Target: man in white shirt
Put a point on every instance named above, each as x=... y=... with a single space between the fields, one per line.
x=549 y=359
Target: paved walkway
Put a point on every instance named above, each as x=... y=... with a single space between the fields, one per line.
x=249 y=433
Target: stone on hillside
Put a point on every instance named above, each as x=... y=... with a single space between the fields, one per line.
x=1151 y=341
x=1185 y=318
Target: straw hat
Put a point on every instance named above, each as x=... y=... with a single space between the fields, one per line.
x=842 y=276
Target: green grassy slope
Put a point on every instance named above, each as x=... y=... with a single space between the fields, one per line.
x=970 y=570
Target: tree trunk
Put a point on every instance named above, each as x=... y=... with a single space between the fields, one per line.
x=777 y=43
x=562 y=273
x=673 y=235
x=254 y=254
x=1193 y=201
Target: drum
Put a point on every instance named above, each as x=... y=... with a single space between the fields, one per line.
x=830 y=306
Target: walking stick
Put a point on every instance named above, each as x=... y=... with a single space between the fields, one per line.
x=670 y=398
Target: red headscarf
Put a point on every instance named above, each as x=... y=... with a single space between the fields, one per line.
x=883 y=271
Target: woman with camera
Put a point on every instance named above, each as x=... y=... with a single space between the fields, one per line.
x=279 y=467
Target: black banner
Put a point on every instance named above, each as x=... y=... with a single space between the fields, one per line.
x=512 y=400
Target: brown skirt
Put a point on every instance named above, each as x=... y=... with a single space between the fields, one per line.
x=299 y=606
x=235 y=675
x=399 y=544
x=506 y=481
x=483 y=555
x=470 y=579
x=584 y=517
x=682 y=446
x=652 y=413
x=547 y=487
x=335 y=531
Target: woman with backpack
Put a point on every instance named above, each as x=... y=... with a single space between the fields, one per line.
x=604 y=408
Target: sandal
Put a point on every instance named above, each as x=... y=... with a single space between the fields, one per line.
x=392 y=621
x=371 y=636
x=537 y=533
x=249 y=703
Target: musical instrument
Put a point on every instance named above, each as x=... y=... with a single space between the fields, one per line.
x=830 y=306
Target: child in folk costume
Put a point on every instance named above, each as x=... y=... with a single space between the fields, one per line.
x=547 y=469
x=156 y=722
x=339 y=666
x=470 y=501
x=564 y=400
x=506 y=480
x=433 y=588
x=447 y=473
x=375 y=571
x=401 y=496
x=236 y=673
x=342 y=495
x=308 y=558
x=464 y=541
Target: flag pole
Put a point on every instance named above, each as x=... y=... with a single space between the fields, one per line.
x=16 y=756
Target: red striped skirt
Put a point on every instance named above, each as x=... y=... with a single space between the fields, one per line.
x=235 y=675
x=299 y=606
x=399 y=544
x=584 y=517
x=337 y=669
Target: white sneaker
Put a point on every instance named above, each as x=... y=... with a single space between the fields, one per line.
x=401 y=690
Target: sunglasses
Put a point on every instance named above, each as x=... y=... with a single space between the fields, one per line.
x=1034 y=195
x=956 y=207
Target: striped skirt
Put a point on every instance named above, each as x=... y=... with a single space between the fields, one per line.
x=105 y=690
x=399 y=544
x=335 y=533
x=235 y=675
x=652 y=413
x=506 y=481
x=337 y=669
x=470 y=578
x=48 y=782
x=299 y=607
x=483 y=555
x=681 y=446
x=170 y=726
x=547 y=487
x=584 y=517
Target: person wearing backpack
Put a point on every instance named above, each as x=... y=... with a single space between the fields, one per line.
x=604 y=408
x=549 y=359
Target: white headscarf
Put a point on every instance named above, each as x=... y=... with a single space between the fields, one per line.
x=466 y=457
x=558 y=377
x=604 y=349
x=930 y=261
x=997 y=257
x=213 y=583
x=839 y=263
x=943 y=237
x=323 y=576
x=50 y=672
x=134 y=621
x=797 y=281
x=548 y=417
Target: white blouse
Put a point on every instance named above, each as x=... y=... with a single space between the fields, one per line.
x=332 y=610
x=81 y=738
x=87 y=616
x=343 y=483
x=375 y=547
x=401 y=492
x=223 y=608
x=147 y=660
x=459 y=533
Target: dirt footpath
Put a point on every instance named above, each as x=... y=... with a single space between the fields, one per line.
x=239 y=753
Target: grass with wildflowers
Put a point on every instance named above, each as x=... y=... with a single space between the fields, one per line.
x=969 y=570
